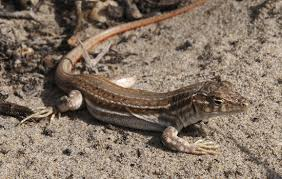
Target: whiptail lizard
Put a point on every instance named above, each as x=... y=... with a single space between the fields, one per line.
x=139 y=109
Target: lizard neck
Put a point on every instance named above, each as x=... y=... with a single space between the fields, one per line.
x=186 y=112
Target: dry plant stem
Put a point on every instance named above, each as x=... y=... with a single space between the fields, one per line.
x=85 y=54
x=132 y=12
x=79 y=16
x=91 y=63
x=15 y=110
x=29 y=15
x=73 y=40
x=102 y=54
x=37 y=6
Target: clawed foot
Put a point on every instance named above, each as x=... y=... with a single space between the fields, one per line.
x=203 y=147
x=40 y=114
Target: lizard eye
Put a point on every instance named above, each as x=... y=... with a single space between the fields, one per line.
x=217 y=101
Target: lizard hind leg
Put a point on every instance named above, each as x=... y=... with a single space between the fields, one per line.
x=201 y=147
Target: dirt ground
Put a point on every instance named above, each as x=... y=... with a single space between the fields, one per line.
x=240 y=41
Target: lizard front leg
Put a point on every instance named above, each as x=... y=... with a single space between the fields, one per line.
x=67 y=103
x=172 y=141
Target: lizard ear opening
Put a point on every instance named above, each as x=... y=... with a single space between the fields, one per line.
x=217 y=101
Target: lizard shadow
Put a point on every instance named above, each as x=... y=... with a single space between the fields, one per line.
x=270 y=173
x=154 y=141
x=191 y=131
x=87 y=118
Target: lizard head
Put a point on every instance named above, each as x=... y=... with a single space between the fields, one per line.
x=219 y=97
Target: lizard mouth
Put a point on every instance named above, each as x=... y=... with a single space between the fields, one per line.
x=216 y=110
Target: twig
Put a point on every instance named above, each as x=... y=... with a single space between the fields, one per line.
x=91 y=63
x=29 y=15
x=37 y=6
x=72 y=41
x=79 y=16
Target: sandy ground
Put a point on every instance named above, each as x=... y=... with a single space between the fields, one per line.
x=240 y=41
